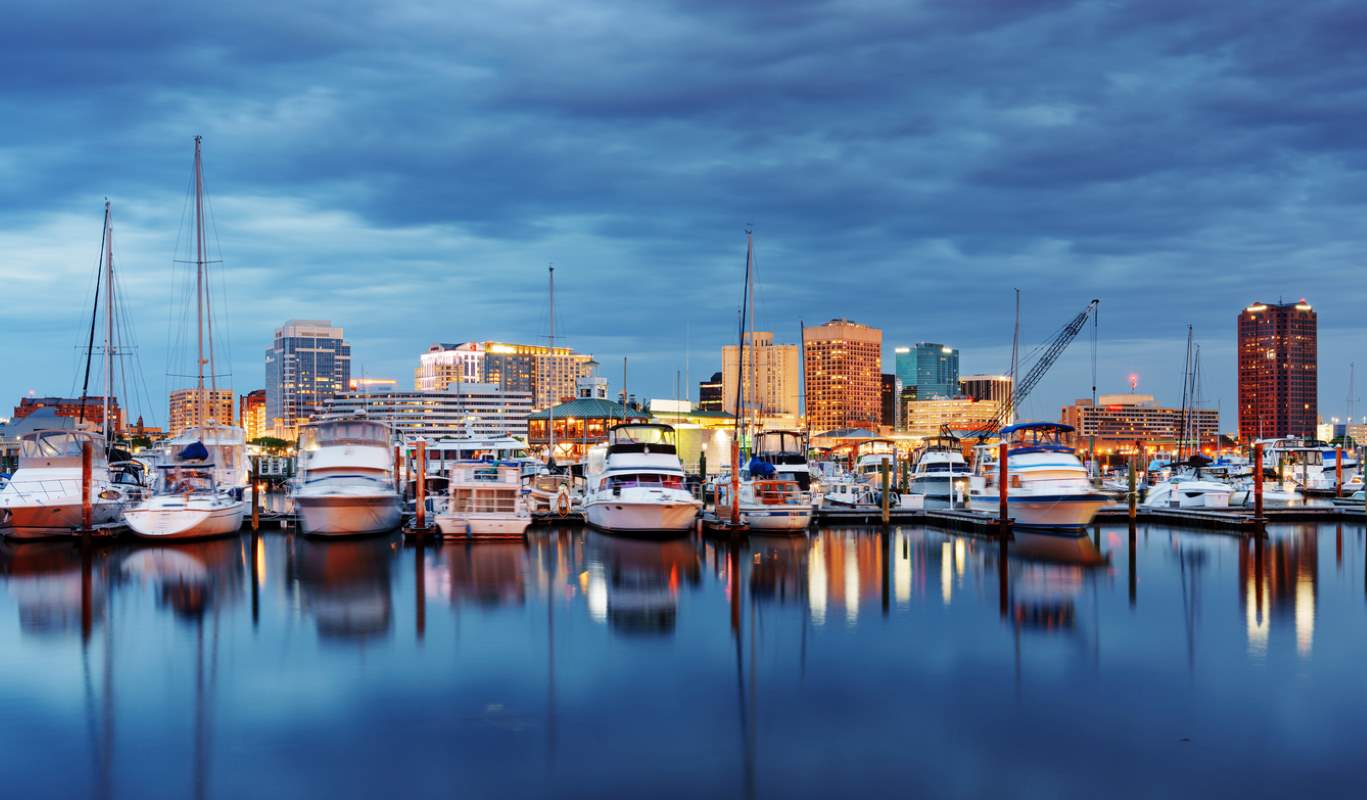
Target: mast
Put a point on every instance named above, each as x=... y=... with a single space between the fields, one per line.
x=1015 y=358
x=550 y=424
x=1186 y=394
x=740 y=385
x=94 y=313
x=108 y=318
x=199 y=285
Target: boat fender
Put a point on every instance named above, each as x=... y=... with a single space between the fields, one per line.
x=562 y=502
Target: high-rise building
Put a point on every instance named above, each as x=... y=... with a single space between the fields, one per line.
x=709 y=393
x=930 y=367
x=1278 y=370
x=769 y=374
x=194 y=407
x=307 y=363
x=888 y=391
x=478 y=409
x=251 y=413
x=929 y=417
x=1119 y=420
x=986 y=387
x=93 y=414
x=547 y=373
x=844 y=369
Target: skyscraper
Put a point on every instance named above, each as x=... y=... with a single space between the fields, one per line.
x=307 y=363
x=932 y=368
x=844 y=369
x=191 y=408
x=770 y=378
x=1278 y=370
x=709 y=393
x=251 y=413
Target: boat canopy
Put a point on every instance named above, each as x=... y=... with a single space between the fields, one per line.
x=778 y=442
x=643 y=433
x=1037 y=426
x=342 y=432
x=61 y=448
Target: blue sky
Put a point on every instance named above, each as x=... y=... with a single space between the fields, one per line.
x=408 y=170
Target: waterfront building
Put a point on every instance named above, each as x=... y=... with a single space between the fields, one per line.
x=251 y=413
x=931 y=367
x=889 y=389
x=769 y=375
x=1120 y=420
x=475 y=409
x=308 y=363
x=843 y=380
x=1336 y=430
x=191 y=408
x=547 y=373
x=579 y=424
x=710 y=393
x=71 y=407
x=986 y=387
x=1278 y=370
x=927 y=418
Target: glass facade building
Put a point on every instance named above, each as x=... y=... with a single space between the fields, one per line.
x=931 y=368
x=307 y=364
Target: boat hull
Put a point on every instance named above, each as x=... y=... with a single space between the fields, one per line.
x=34 y=522
x=1046 y=511
x=620 y=516
x=479 y=526
x=185 y=523
x=348 y=516
x=778 y=519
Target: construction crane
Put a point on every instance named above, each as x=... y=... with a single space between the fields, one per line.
x=1019 y=391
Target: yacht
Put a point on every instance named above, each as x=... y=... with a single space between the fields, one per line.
x=43 y=497
x=787 y=452
x=869 y=458
x=942 y=474
x=485 y=499
x=764 y=500
x=1309 y=464
x=1048 y=486
x=1188 y=490
x=345 y=485
x=636 y=483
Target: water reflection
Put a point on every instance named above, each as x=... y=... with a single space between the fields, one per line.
x=54 y=588
x=344 y=584
x=189 y=578
x=1278 y=577
x=634 y=585
x=490 y=574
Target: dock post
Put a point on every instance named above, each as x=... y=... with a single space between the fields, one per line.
x=1134 y=488
x=1002 y=481
x=702 y=476
x=887 y=490
x=421 y=495
x=87 y=512
x=398 y=468
x=256 y=496
x=1258 y=480
x=1338 y=471
x=1132 y=587
x=1305 y=474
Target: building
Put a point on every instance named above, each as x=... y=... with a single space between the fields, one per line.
x=1278 y=370
x=475 y=409
x=1120 y=420
x=889 y=389
x=578 y=425
x=929 y=417
x=547 y=373
x=251 y=413
x=72 y=407
x=930 y=367
x=191 y=408
x=843 y=380
x=769 y=374
x=709 y=393
x=986 y=387
x=308 y=363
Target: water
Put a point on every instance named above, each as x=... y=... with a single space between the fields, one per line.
x=581 y=665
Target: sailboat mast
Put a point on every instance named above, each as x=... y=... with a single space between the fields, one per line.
x=1186 y=393
x=94 y=314
x=108 y=317
x=740 y=384
x=1015 y=359
x=550 y=424
x=199 y=282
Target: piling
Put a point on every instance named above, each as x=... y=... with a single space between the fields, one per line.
x=702 y=476
x=256 y=494
x=422 y=486
x=1338 y=471
x=1131 y=555
x=1002 y=481
x=87 y=512
x=887 y=490
x=398 y=468
x=1258 y=481
x=1134 y=488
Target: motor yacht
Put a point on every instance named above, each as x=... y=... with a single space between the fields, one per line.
x=942 y=475
x=636 y=483
x=1188 y=490
x=43 y=497
x=485 y=499
x=1047 y=484
x=345 y=485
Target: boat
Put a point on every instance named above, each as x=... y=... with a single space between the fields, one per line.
x=1188 y=490
x=942 y=474
x=485 y=499
x=43 y=498
x=203 y=478
x=1047 y=484
x=1312 y=466
x=764 y=500
x=636 y=483
x=346 y=484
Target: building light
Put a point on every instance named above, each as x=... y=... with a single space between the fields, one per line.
x=1257 y=307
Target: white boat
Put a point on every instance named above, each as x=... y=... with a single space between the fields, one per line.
x=560 y=493
x=764 y=503
x=1188 y=490
x=1047 y=484
x=942 y=475
x=845 y=491
x=636 y=483
x=1310 y=464
x=43 y=497
x=485 y=500
x=345 y=485
x=188 y=504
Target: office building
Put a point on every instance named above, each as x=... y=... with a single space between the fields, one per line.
x=888 y=392
x=474 y=409
x=930 y=367
x=547 y=373
x=710 y=393
x=1119 y=420
x=844 y=375
x=960 y=414
x=986 y=387
x=93 y=413
x=1278 y=370
x=191 y=408
x=308 y=363
x=251 y=413
x=770 y=379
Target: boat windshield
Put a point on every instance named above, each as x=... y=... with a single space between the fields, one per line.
x=181 y=480
x=353 y=431
x=778 y=442
x=648 y=480
x=643 y=434
x=777 y=492
x=59 y=444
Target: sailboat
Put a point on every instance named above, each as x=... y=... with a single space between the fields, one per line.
x=43 y=498
x=200 y=488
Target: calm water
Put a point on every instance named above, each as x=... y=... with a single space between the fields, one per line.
x=581 y=665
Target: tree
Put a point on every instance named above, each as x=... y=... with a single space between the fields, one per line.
x=270 y=444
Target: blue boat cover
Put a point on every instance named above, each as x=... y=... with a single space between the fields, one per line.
x=759 y=468
x=194 y=452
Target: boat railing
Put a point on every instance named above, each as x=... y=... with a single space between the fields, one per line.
x=44 y=490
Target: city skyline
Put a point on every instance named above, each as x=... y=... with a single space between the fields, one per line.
x=435 y=217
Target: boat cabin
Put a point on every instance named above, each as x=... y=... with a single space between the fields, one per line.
x=641 y=438
x=186 y=480
x=484 y=487
x=362 y=432
x=1036 y=437
x=58 y=448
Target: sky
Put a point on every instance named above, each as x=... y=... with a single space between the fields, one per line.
x=409 y=169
